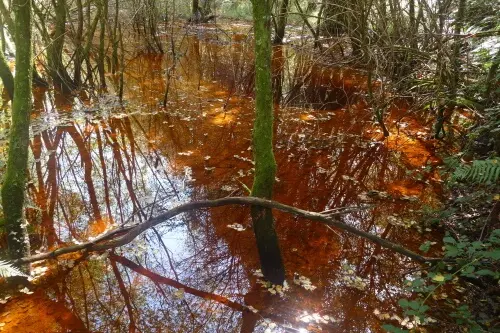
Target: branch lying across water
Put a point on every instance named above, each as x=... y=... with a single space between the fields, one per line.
x=122 y=236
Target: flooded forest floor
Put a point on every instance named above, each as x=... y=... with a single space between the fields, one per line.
x=97 y=164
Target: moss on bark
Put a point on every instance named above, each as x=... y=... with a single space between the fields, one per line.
x=265 y=164
x=15 y=176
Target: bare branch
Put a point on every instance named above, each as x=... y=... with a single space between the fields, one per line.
x=122 y=236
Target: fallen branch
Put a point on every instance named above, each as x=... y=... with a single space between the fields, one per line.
x=122 y=236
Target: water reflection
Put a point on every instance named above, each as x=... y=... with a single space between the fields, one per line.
x=97 y=165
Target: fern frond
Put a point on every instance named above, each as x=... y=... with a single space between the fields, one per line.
x=480 y=171
x=7 y=270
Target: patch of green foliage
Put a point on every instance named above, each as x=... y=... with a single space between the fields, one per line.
x=464 y=259
x=480 y=171
x=462 y=288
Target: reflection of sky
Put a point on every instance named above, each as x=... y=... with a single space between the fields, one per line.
x=313 y=152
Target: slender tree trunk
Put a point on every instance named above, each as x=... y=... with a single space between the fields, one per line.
x=6 y=75
x=102 y=55
x=491 y=79
x=56 y=66
x=15 y=176
x=122 y=63
x=78 y=45
x=195 y=11
x=281 y=24
x=265 y=164
x=116 y=40
x=457 y=43
x=413 y=26
x=2 y=33
x=443 y=6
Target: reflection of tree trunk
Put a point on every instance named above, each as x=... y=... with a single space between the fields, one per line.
x=87 y=165
x=126 y=296
x=164 y=280
x=249 y=322
x=112 y=139
x=265 y=164
x=47 y=193
x=104 y=172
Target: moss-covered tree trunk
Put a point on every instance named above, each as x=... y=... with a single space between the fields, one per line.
x=15 y=176
x=265 y=164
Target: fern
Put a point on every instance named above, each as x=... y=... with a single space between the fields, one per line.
x=480 y=171
x=7 y=270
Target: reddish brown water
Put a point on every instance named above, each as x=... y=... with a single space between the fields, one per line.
x=97 y=165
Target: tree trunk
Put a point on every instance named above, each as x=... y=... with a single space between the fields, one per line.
x=457 y=43
x=15 y=176
x=281 y=24
x=78 y=45
x=265 y=164
x=491 y=79
x=6 y=75
x=58 y=73
x=100 y=63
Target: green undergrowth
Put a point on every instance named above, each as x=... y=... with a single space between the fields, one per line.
x=460 y=293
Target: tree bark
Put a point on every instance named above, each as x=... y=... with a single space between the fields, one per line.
x=15 y=176
x=281 y=24
x=125 y=235
x=6 y=75
x=265 y=164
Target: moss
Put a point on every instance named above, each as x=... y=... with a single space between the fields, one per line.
x=15 y=176
x=265 y=164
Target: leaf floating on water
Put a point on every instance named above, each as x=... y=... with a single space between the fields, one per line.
x=236 y=226
x=346 y=177
x=179 y=293
x=377 y=194
x=303 y=281
x=26 y=291
x=228 y=188
x=251 y=308
x=315 y=318
x=274 y=289
x=39 y=271
x=187 y=153
x=350 y=278
x=258 y=273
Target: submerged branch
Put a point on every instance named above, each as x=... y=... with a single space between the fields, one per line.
x=125 y=235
